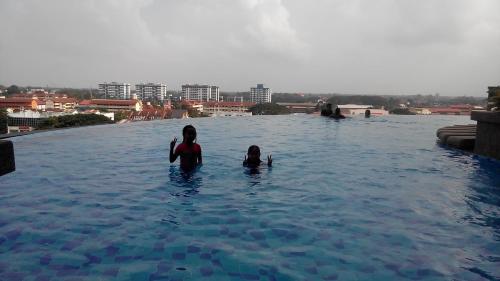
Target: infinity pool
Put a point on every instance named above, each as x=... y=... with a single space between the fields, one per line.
x=359 y=199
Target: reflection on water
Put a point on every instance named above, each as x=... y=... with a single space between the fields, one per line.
x=185 y=183
x=484 y=193
x=351 y=200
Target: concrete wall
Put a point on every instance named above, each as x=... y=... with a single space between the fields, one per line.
x=488 y=133
x=7 y=163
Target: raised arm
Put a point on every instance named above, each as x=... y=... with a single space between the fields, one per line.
x=269 y=160
x=173 y=155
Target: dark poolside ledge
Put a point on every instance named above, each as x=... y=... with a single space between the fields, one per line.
x=488 y=133
x=7 y=163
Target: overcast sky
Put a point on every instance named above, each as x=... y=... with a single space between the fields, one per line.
x=450 y=47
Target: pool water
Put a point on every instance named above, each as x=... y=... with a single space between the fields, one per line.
x=357 y=199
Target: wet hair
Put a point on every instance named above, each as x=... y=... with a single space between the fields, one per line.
x=187 y=127
x=253 y=148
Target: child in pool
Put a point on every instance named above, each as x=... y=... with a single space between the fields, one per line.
x=188 y=150
x=252 y=159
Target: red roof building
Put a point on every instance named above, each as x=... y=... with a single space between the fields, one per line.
x=19 y=103
x=112 y=104
x=216 y=108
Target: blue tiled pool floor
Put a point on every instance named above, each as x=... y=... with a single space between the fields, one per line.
x=360 y=199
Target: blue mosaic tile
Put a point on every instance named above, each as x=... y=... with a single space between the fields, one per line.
x=217 y=263
x=193 y=249
x=46 y=241
x=367 y=269
x=331 y=277
x=91 y=259
x=113 y=271
x=178 y=256
x=45 y=260
x=311 y=270
x=159 y=247
x=71 y=245
x=339 y=244
x=249 y=276
x=206 y=271
x=257 y=235
x=13 y=234
x=205 y=256
x=224 y=231
x=233 y=274
x=111 y=250
x=13 y=276
x=42 y=278
x=292 y=236
x=3 y=267
x=159 y=277
x=122 y=259
x=163 y=267
x=279 y=232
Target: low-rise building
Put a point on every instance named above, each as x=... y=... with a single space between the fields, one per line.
x=27 y=120
x=420 y=110
x=360 y=109
x=227 y=108
x=19 y=103
x=60 y=103
x=111 y=105
x=179 y=114
x=451 y=110
x=189 y=104
x=299 y=107
x=150 y=112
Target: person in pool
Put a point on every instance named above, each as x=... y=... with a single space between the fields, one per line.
x=188 y=150
x=337 y=114
x=252 y=159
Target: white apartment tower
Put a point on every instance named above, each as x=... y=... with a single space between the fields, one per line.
x=260 y=94
x=200 y=92
x=115 y=90
x=151 y=91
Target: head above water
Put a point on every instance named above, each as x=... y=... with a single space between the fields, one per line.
x=189 y=134
x=337 y=111
x=253 y=152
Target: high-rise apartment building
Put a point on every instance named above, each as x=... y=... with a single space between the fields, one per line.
x=200 y=92
x=151 y=91
x=260 y=94
x=114 y=90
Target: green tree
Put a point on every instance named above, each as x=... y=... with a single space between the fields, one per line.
x=75 y=121
x=120 y=115
x=14 y=89
x=269 y=109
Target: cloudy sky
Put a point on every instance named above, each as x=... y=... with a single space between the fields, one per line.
x=451 y=47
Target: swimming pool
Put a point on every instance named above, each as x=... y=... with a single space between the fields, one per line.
x=358 y=199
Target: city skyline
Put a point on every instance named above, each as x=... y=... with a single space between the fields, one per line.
x=349 y=47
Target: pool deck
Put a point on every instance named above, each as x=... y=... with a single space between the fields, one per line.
x=458 y=136
x=482 y=139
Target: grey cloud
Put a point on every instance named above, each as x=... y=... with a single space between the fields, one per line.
x=352 y=46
